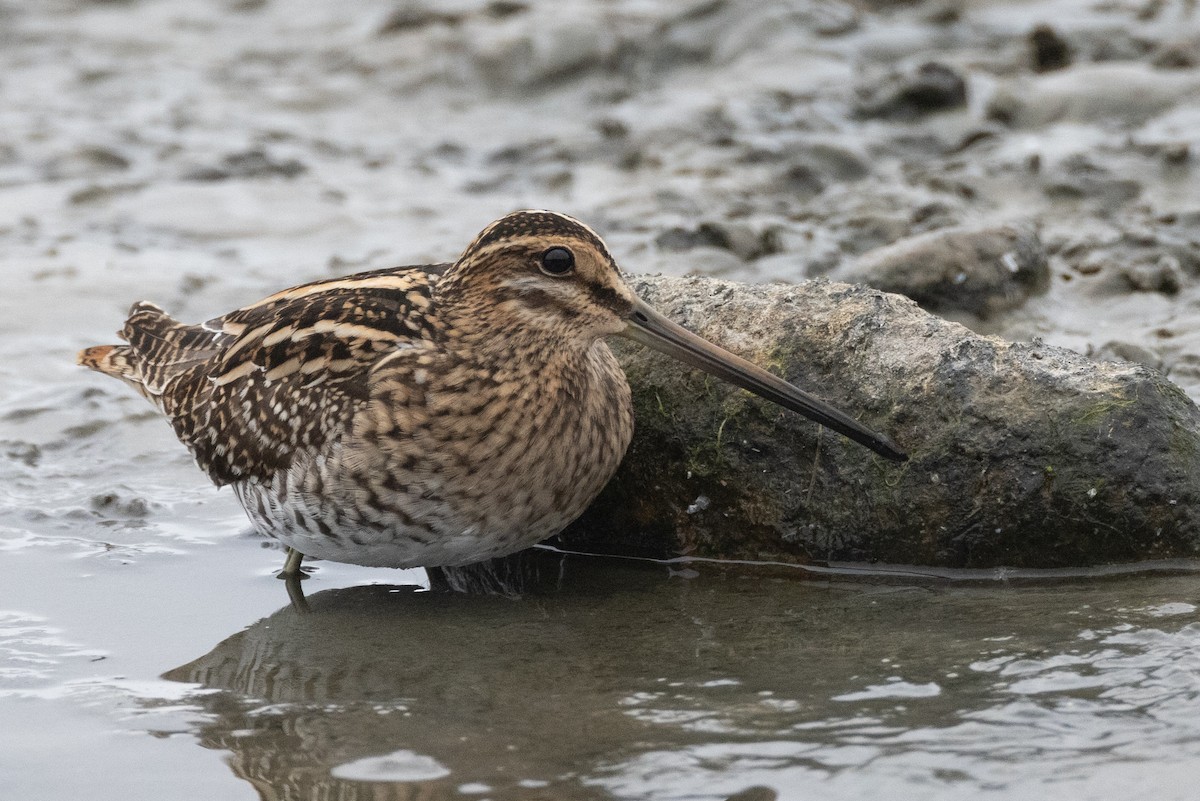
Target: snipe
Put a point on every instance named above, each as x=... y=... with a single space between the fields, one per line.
x=425 y=416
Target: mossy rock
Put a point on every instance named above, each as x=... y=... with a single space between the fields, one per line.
x=1023 y=455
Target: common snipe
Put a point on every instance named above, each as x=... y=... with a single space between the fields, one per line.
x=425 y=416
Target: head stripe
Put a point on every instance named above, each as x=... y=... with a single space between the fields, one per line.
x=534 y=223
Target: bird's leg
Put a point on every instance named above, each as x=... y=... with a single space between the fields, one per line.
x=295 y=591
x=291 y=575
x=291 y=567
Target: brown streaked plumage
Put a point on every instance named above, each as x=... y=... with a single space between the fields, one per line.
x=434 y=415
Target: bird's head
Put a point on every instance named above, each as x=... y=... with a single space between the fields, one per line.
x=545 y=273
x=548 y=277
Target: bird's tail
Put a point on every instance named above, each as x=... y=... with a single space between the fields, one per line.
x=159 y=349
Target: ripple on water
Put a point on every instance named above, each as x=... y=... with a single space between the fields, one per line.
x=1088 y=709
x=895 y=688
x=31 y=652
x=398 y=766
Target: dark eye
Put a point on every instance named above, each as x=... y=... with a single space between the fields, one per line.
x=558 y=261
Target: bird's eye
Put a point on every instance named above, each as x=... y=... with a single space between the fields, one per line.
x=558 y=261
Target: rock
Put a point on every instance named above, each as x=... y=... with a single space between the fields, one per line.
x=737 y=238
x=27 y=453
x=542 y=47
x=416 y=15
x=1048 y=50
x=982 y=271
x=905 y=95
x=809 y=167
x=831 y=162
x=756 y=793
x=1175 y=154
x=98 y=193
x=1178 y=54
x=86 y=162
x=1129 y=93
x=1162 y=258
x=1021 y=454
x=1128 y=352
x=1164 y=275
x=413 y=16
x=1078 y=177
x=800 y=180
x=119 y=506
x=701 y=260
x=248 y=164
x=876 y=212
x=835 y=18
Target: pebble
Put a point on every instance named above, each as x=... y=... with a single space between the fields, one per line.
x=247 y=164
x=1165 y=275
x=930 y=87
x=1116 y=350
x=1048 y=50
x=737 y=238
x=981 y=271
x=1126 y=93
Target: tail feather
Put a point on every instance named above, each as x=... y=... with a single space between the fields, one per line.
x=160 y=349
x=110 y=359
x=159 y=337
x=118 y=361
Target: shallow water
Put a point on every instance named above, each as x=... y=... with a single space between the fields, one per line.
x=191 y=675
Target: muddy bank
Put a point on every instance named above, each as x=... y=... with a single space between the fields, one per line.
x=1021 y=454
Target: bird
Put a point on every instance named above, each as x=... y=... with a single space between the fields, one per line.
x=427 y=416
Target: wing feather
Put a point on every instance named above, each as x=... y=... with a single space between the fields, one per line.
x=246 y=391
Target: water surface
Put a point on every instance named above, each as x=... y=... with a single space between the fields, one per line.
x=593 y=678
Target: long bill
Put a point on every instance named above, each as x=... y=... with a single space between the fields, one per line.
x=655 y=331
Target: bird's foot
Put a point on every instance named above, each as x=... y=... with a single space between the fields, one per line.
x=291 y=567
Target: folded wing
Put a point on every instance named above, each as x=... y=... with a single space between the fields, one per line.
x=247 y=390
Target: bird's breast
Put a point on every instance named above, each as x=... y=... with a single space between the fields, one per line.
x=511 y=453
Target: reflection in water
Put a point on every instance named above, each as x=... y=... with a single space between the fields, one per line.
x=604 y=680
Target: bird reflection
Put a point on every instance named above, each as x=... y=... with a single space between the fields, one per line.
x=545 y=676
x=515 y=675
x=461 y=674
x=535 y=570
